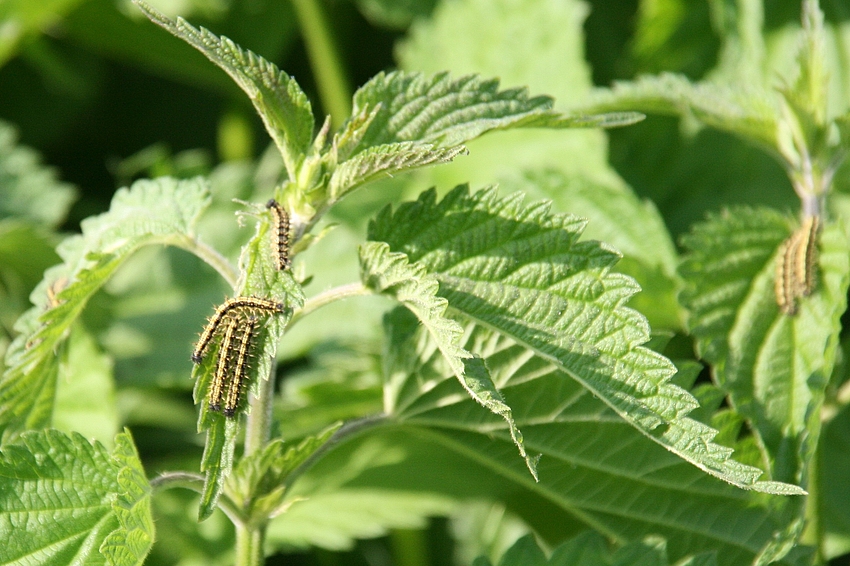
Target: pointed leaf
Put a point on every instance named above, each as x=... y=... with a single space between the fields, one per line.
x=447 y=112
x=598 y=471
x=280 y=102
x=259 y=277
x=775 y=367
x=162 y=211
x=750 y=113
x=384 y=160
x=63 y=499
x=392 y=274
x=523 y=272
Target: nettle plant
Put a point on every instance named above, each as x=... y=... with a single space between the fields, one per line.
x=511 y=343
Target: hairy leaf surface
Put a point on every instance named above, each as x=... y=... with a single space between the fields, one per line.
x=447 y=112
x=67 y=501
x=775 y=367
x=392 y=274
x=162 y=211
x=258 y=277
x=591 y=458
x=522 y=271
x=280 y=102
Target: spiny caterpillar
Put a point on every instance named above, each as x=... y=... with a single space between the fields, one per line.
x=240 y=369
x=225 y=354
x=280 y=235
x=796 y=266
x=237 y=306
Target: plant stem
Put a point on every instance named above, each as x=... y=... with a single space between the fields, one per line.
x=327 y=297
x=324 y=60
x=213 y=258
x=258 y=428
x=249 y=545
x=195 y=482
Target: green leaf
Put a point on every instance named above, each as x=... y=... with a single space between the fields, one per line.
x=774 y=367
x=447 y=112
x=280 y=102
x=747 y=112
x=648 y=252
x=590 y=549
x=335 y=519
x=591 y=458
x=131 y=541
x=258 y=277
x=28 y=188
x=525 y=42
x=384 y=160
x=85 y=396
x=392 y=274
x=262 y=479
x=523 y=272
x=64 y=498
x=162 y=211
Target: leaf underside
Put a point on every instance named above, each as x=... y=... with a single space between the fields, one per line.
x=523 y=272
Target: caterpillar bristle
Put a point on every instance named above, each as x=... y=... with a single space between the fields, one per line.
x=239 y=305
x=280 y=235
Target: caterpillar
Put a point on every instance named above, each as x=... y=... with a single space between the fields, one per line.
x=280 y=235
x=225 y=354
x=237 y=305
x=796 y=266
x=240 y=369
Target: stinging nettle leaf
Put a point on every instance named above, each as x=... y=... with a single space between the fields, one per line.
x=590 y=458
x=391 y=273
x=258 y=277
x=773 y=366
x=447 y=112
x=751 y=114
x=62 y=499
x=161 y=211
x=280 y=102
x=384 y=160
x=522 y=272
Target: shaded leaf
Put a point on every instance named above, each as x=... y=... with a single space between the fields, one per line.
x=596 y=470
x=775 y=367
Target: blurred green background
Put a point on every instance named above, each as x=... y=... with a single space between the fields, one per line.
x=102 y=96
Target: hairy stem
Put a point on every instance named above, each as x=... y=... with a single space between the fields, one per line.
x=249 y=545
x=348 y=429
x=213 y=258
x=324 y=60
x=328 y=297
x=195 y=482
x=258 y=429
